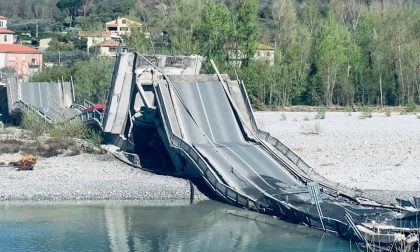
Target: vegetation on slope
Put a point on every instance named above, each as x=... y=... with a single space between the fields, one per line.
x=336 y=52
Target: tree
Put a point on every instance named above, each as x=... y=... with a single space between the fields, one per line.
x=60 y=44
x=70 y=6
x=293 y=66
x=183 y=23
x=214 y=32
x=258 y=78
x=245 y=29
x=284 y=14
x=331 y=56
x=139 y=42
x=348 y=12
x=310 y=15
x=91 y=80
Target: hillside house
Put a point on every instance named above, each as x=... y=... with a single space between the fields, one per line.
x=108 y=48
x=6 y=36
x=263 y=52
x=3 y=22
x=94 y=37
x=122 y=26
x=22 y=60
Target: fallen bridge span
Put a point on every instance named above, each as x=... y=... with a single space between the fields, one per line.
x=203 y=126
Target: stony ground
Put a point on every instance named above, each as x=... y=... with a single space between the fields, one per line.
x=378 y=153
x=87 y=177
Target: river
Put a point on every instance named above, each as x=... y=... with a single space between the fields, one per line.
x=152 y=226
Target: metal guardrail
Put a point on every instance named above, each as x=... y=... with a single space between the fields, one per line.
x=93 y=115
x=209 y=175
x=302 y=165
x=289 y=154
x=88 y=104
x=22 y=107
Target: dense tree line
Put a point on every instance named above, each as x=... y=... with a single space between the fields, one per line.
x=327 y=52
x=341 y=52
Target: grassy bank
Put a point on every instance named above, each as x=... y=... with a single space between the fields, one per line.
x=38 y=137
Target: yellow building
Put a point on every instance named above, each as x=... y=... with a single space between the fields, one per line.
x=262 y=52
x=122 y=26
x=265 y=52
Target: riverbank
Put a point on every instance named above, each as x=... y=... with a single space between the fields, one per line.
x=378 y=155
x=88 y=177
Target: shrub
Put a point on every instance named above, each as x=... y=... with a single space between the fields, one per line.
x=10 y=145
x=35 y=124
x=317 y=127
x=320 y=114
x=63 y=132
x=411 y=105
x=366 y=112
x=69 y=129
x=75 y=129
x=349 y=110
x=54 y=146
x=282 y=117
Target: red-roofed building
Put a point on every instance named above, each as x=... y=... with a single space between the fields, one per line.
x=24 y=60
x=108 y=47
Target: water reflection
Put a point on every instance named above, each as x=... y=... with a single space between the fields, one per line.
x=128 y=226
x=117 y=228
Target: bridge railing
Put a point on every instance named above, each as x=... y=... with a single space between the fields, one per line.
x=289 y=154
x=209 y=175
x=22 y=107
x=302 y=165
x=93 y=115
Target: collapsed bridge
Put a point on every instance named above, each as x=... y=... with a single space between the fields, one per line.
x=202 y=127
x=166 y=117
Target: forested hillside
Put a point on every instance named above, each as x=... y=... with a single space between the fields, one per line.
x=337 y=52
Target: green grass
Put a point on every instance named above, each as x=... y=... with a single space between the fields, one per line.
x=37 y=127
x=35 y=124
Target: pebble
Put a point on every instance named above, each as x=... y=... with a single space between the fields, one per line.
x=369 y=149
x=89 y=177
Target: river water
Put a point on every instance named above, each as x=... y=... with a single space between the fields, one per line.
x=152 y=226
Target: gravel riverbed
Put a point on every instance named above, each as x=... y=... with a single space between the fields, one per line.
x=88 y=177
x=378 y=155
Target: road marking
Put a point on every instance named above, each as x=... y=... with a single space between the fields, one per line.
x=205 y=113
